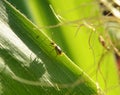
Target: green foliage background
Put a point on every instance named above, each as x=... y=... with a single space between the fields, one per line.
x=29 y=63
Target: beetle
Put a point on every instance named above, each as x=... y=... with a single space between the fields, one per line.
x=57 y=48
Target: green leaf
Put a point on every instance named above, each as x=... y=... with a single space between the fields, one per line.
x=83 y=46
x=31 y=65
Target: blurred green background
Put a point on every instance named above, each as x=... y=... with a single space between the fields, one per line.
x=75 y=25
